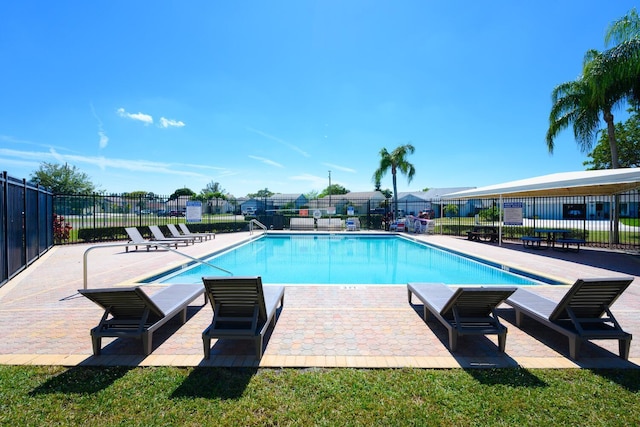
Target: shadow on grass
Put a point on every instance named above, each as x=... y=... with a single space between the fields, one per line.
x=516 y=377
x=629 y=379
x=215 y=383
x=82 y=380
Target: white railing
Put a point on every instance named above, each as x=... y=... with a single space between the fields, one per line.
x=258 y=223
x=85 y=266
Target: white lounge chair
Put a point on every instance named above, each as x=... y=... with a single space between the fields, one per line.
x=159 y=236
x=175 y=233
x=186 y=231
x=136 y=238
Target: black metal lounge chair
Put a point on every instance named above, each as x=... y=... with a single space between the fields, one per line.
x=242 y=309
x=579 y=315
x=463 y=311
x=130 y=312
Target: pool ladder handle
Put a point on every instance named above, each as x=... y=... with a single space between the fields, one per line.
x=258 y=223
x=85 y=257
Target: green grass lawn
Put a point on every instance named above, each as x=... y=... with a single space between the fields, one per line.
x=334 y=397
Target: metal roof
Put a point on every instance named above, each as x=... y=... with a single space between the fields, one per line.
x=581 y=183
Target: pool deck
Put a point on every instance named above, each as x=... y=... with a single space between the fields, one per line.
x=44 y=321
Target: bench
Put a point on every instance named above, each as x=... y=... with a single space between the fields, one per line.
x=531 y=242
x=483 y=233
x=329 y=224
x=567 y=242
x=302 y=224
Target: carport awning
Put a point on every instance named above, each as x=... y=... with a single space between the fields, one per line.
x=582 y=183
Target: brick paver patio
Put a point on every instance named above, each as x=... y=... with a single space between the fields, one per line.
x=45 y=321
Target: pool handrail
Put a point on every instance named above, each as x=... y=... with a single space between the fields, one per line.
x=150 y=243
x=258 y=223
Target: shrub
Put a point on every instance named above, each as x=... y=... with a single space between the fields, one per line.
x=61 y=229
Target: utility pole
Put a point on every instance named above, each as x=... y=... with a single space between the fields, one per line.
x=329 y=188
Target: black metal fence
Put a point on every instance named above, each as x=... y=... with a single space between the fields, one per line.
x=26 y=218
x=100 y=217
x=602 y=221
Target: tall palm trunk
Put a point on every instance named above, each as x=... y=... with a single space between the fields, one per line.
x=395 y=193
x=613 y=146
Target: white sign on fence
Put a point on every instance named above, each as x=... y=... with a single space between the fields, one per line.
x=512 y=213
x=194 y=211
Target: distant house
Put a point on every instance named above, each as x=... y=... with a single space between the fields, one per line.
x=361 y=202
x=414 y=202
x=287 y=201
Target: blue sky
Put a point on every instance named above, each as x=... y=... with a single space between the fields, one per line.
x=160 y=95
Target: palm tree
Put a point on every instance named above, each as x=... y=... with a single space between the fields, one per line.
x=579 y=104
x=396 y=161
x=621 y=63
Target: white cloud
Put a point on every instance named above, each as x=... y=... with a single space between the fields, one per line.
x=104 y=139
x=172 y=169
x=285 y=143
x=318 y=182
x=266 y=161
x=141 y=117
x=165 y=123
x=340 y=168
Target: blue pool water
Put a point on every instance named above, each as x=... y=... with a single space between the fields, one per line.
x=347 y=259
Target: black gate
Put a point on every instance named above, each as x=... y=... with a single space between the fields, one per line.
x=26 y=214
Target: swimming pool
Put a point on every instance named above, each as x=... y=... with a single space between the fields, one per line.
x=346 y=259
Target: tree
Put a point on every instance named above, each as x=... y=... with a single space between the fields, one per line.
x=62 y=179
x=140 y=199
x=333 y=189
x=311 y=195
x=621 y=65
x=628 y=139
x=451 y=210
x=213 y=187
x=395 y=161
x=182 y=192
x=577 y=104
x=261 y=194
x=387 y=193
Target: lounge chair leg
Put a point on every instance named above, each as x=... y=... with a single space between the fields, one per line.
x=502 y=341
x=206 y=341
x=147 y=342
x=574 y=347
x=259 y=346
x=624 y=345
x=453 y=340
x=183 y=315
x=97 y=345
x=518 y=317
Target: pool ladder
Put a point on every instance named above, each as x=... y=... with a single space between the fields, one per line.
x=259 y=224
x=85 y=265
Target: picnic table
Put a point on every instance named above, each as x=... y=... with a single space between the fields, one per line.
x=550 y=235
x=483 y=233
